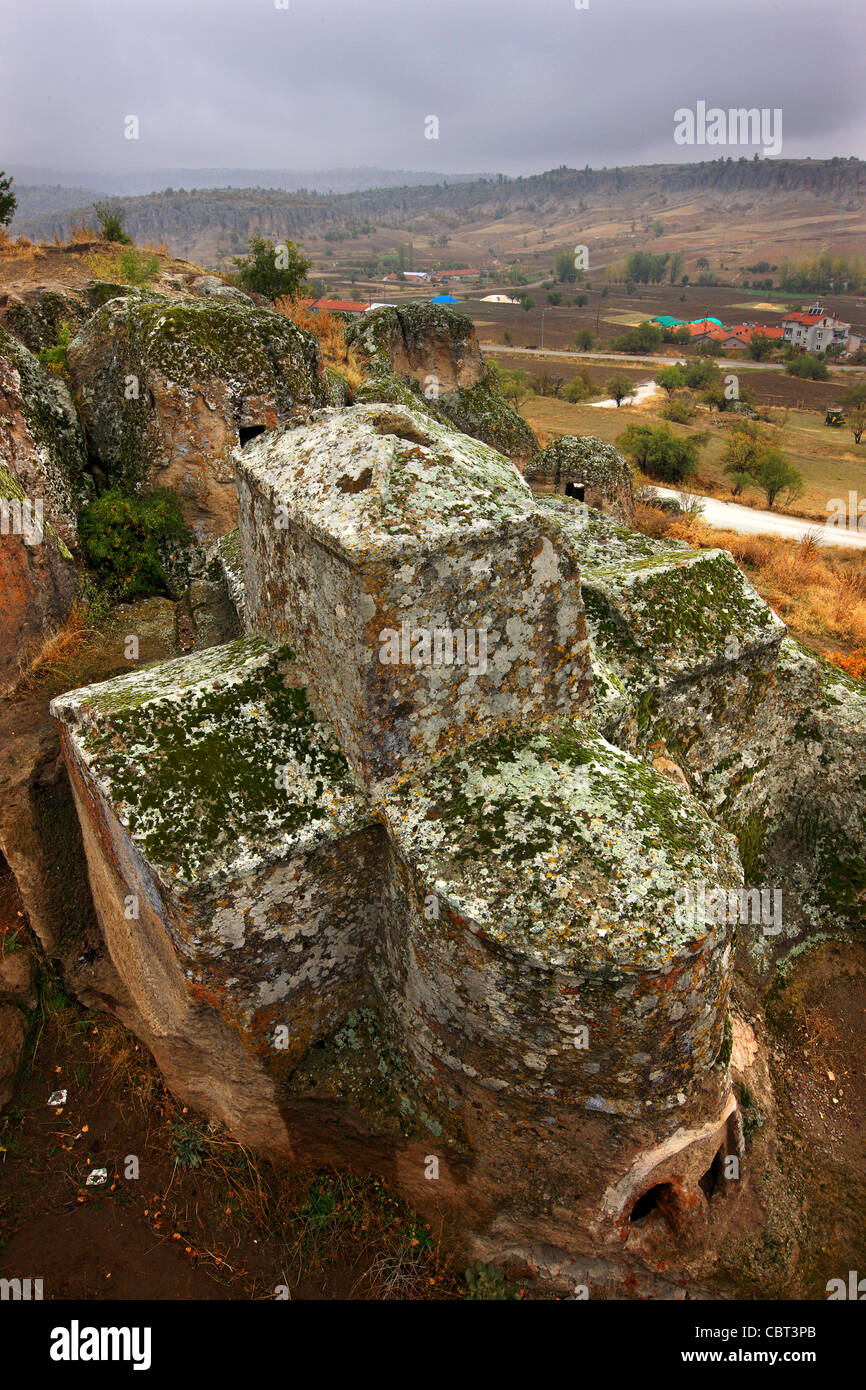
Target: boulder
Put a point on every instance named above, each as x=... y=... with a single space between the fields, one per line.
x=168 y=388
x=483 y=412
x=231 y=868
x=426 y=342
x=209 y=286
x=427 y=355
x=685 y=652
x=41 y=440
x=605 y=474
x=35 y=315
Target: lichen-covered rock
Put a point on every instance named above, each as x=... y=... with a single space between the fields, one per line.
x=225 y=840
x=555 y=962
x=166 y=388
x=211 y=286
x=36 y=315
x=686 y=655
x=231 y=562
x=42 y=478
x=427 y=355
x=483 y=412
x=422 y=341
x=41 y=440
x=586 y=459
x=409 y=566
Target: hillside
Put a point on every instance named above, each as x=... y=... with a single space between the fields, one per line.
x=524 y=216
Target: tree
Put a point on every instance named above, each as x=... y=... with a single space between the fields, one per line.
x=8 y=201
x=760 y=348
x=554 y=297
x=272 y=270
x=619 y=388
x=109 y=216
x=527 y=302
x=701 y=373
x=581 y=300
x=675 y=266
x=515 y=386
x=739 y=456
x=854 y=405
x=579 y=388
x=646 y=337
x=670 y=379
x=564 y=268
x=775 y=474
x=660 y=453
x=584 y=340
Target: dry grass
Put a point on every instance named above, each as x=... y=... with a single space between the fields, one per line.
x=66 y=656
x=22 y=249
x=82 y=233
x=819 y=591
x=328 y=328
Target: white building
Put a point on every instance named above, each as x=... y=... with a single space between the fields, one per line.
x=816 y=330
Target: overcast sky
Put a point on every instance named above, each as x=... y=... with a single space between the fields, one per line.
x=518 y=86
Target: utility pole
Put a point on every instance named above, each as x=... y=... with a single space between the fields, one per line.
x=542 y=330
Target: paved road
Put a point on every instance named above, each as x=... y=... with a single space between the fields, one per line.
x=624 y=358
x=748 y=521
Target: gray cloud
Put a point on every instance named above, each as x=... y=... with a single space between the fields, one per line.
x=518 y=86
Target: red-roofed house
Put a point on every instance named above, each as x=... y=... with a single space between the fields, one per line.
x=815 y=331
x=339 y=306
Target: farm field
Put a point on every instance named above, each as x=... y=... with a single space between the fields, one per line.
x=829 y=461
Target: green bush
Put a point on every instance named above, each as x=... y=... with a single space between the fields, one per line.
x=110 y=215
x=135 y=544
x=660 y=454
x=809 y=366
x=137 y=268
x=680 y=412
x=647 y=337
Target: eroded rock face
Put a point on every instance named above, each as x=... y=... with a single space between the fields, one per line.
x=554 y=962
x=411 y=568
x=42 y=480
x=168 y=388
x=427 y=356
x=420 y=341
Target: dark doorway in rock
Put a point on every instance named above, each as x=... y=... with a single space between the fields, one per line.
x=714 y=1175
x=660 y=1200
x=575 y=490
x=248 y=432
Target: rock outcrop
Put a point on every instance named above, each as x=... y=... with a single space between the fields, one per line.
x=167 y=388
x=428 y=343
x=447 y=937
x=428 y=355
x=42 y=477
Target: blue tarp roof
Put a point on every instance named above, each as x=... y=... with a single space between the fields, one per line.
x=444 y=299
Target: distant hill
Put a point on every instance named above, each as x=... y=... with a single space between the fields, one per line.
x=196 y=221
x=50 y=190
